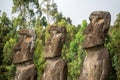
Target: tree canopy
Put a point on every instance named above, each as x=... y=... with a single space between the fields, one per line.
x=39 y=15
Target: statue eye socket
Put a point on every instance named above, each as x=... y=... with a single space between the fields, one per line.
x=28 y=39
x=54 y=32
x=100 y=21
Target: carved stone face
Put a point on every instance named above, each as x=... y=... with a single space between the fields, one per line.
x=24 y=49
x=96 y=31
x=54 y=44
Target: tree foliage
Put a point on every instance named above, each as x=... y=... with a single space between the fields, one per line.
x=38 y=15
x=114 y=49
x=27 y=11
x=39 y=50
x=6 y=45
x=8 y=51
x=76 y=54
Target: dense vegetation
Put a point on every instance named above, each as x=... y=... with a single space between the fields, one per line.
x=32 y=15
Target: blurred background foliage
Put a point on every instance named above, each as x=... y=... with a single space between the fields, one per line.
x=32 y=15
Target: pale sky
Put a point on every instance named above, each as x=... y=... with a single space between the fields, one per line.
x=77 y=10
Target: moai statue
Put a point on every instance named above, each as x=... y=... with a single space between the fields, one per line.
x=23 y=56
x=56 y=67
x=97 y=64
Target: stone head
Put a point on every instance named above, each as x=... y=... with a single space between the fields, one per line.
x=55 y=43
x=24 y=49
x=97 y=30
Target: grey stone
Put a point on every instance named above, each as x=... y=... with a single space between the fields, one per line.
x=23 y=56
x=56 y=67
x=96 y=31
x=55 y=70
x=97 y=63
x=54 y=45
x=27 y=72
x=23 y=51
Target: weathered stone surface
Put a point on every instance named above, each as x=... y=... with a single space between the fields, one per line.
x=23 y=56
x=26 y=72
x=97 y=64
x=23 y=51
x=54 y=44
x=55 y=70
x=56 y=67
x=97 y=30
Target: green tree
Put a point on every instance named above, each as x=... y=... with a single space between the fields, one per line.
x=8 y=51
x=49 y=9
x=7 y=39
x=9 y=68
x=27 y=11
x=114 y=49
x=76 y=54
x=39 y=50
x=4 y=30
